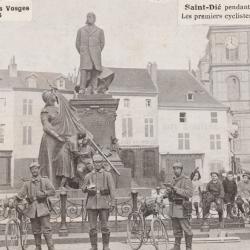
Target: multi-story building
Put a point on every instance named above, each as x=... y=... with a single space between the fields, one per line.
x=225 y=70
x=193 y=126
x=21 y=129
x=137 y=121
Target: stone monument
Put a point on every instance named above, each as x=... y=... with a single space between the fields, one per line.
x=96 y=108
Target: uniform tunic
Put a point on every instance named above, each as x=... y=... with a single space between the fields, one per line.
x=102 y=180
x=29 y=190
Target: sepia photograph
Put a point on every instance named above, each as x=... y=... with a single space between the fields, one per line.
x=124 y=124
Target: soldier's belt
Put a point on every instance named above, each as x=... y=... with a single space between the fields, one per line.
x=101 y=192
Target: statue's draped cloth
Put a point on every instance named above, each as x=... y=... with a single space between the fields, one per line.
x=64 y=121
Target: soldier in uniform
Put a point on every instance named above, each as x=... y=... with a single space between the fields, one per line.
x=36 y=191
x=179 y=192
x=99 y=186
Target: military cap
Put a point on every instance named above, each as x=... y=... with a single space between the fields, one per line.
x=214 y=173
x=178 y=164
x=34 y=164
x=97 y=158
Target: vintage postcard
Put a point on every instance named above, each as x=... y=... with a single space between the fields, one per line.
x=131 y=113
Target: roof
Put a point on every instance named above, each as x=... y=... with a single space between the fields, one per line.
x=126 y=80
x=43 y=79
x=132 y=80
x=174 y=85
x=226 y=28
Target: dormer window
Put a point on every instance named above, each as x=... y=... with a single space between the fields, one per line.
x=190 y=96
x=60 y=82
x=31 y=81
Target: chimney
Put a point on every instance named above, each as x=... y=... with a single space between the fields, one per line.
x=152 y=70
x=12 y=68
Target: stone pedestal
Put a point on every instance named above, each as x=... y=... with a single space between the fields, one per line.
x=98 y=114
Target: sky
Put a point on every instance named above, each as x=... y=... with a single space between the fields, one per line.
x=136 y=32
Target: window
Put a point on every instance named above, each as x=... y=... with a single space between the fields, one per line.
x=215 y=142
x=190 y=96
x=27 y=135
x=61 y=83
x=127 y=127
x=126 y=103
x=183 y=141
x=149 y=127
x=2 y=104
x=27 y=106
x=232 y=54
x=183 y=117
x=214 y=117
x=2 y=127
x=233 y=88
x=31 y=81
x=148 y=103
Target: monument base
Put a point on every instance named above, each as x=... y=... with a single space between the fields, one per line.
x=98 y=114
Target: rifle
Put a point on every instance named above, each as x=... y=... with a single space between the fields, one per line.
x=104 y=156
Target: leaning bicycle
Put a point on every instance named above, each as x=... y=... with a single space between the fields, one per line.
x=141 y=230
x=16 y=229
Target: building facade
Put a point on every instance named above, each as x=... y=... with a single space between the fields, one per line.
x=192 y=124
x=225 y=71
x=21 y=129
x=163 y=116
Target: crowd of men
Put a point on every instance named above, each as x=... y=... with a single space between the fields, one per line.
x=221 y=191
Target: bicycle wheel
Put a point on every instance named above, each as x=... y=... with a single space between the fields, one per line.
x=12 y=235
x=135 y=230
x=24 y=232
x=159 y=234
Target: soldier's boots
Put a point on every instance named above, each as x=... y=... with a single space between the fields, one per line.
x=188 y=239
x=93 y=239
x=105 y=240
x=177 y=244
x=38 y=241
x=49 y=241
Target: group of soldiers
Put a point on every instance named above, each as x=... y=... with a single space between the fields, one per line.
x=100 y=188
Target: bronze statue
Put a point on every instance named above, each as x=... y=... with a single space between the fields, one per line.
x=59 y=123
x=90 y=42
x=84 y=156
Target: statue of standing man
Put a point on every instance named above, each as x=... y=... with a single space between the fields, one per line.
x=89 y=44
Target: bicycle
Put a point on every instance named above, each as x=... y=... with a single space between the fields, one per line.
x=138 y=230
x=16 y=228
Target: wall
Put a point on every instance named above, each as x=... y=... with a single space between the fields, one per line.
x=199 y=127
x=138 y=112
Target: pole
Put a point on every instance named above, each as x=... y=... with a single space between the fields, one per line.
x=134 y=195
x=63 y=231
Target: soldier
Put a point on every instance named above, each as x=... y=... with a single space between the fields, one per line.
x=36 y=191
x=99 y=186
x=216 y=191
x=179 y=192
